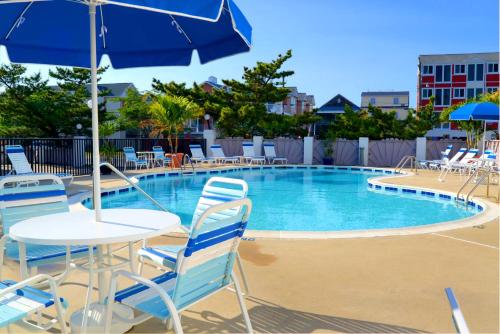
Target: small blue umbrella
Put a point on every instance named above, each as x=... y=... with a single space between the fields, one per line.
x=480 y=111
x=132 y=33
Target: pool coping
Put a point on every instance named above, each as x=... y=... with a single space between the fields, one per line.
x=486 y=214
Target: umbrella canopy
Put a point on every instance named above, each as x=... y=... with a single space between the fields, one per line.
x=133 y=33
x=483 y=111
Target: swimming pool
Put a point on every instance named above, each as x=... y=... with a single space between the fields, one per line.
x=303 y=200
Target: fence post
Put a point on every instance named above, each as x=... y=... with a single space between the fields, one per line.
x=364 y=143
x=78 y=151
x=421 y=148
x=257 y=145
x=209 y=136
x=308 y=150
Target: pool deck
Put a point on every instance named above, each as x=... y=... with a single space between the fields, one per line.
x=351 y=285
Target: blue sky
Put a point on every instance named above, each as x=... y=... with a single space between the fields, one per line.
x=343 y=46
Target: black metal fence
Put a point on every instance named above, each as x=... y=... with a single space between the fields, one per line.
x=74 y=155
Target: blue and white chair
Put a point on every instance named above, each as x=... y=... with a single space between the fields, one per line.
x=20 y=300
x=217 y=190
x=197 y=155
x=160 y=158
x=204 y=268
x=24 y=197
x=434 y=164
x=270 y=154
x=219 y=156
x=249 y=154
x=131 y=158
x=455 y=164
x=21 y=165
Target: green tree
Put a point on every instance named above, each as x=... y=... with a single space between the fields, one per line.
x=169 y=115
x=135 y=113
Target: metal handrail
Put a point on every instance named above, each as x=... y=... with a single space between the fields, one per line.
x=404 y=160
x=479 y=181
x=472 y=176
x=129 y=181
x=456 y=313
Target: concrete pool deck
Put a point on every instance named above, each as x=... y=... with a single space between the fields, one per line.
x=379 y=284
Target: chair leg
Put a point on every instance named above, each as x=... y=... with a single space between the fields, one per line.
x=242 y=273
x=243 y=307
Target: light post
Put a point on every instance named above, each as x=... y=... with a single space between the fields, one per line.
x=207 y=118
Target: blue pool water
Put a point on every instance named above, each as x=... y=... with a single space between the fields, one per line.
x=301 y=200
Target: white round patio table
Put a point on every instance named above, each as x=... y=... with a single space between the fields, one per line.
x=79 y=228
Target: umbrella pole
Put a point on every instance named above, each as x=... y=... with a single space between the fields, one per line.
x=96 y=175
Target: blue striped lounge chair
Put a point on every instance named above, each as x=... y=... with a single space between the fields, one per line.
x=198 y=156
x=131 y=158
x=217 y=190
x=434 y=164
x=21 y=165
x=204 y=268
x=249 y=154
x=454 y=164
x=219 y=156
x=20 y=300
x=160 y=158
x=270 y=153
x=21 y=198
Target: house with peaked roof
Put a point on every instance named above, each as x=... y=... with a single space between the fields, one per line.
x=329 y=111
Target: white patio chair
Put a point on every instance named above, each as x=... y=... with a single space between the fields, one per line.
x=203 y=268
x=434 y=164
x=160 y=158
x=219 y=156
x=197 y=155
x=20 y=300
x=270 y=154
x=131 y=158
x=455 y=164
x=21 y=165
x=249 y=154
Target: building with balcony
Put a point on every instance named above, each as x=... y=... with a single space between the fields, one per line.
x=452 y=79
x=295 y=103
x=398 y=101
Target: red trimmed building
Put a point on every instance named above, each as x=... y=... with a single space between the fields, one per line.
x=453 y=78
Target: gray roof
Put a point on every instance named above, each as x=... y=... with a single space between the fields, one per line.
x=336 y=105
x=385 y=93
x=116 y=89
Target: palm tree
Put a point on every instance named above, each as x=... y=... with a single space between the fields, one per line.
x=170 y=113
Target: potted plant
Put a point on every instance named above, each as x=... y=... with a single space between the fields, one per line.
x=328 y=146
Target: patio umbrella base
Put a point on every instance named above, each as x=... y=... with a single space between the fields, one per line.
x=97 y=318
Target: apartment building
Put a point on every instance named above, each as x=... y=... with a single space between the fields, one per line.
x=452 y=79
x=295 y=103
x=398 y=101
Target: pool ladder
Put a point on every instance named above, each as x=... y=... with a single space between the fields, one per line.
x=479 y=176
x=402 y=163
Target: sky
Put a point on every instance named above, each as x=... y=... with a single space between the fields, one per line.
x=342 y=46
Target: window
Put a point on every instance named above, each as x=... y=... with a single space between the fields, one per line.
x=493 y=68
x=475 y=72
x=459 y=93
x=491 y=89
x=426 y=93
x=470 y=93
x=443 y=73
x=427 y=70
x=442 y=96
x=373 y=101
x=479 y=91
x=460 y=69
x=395 y=100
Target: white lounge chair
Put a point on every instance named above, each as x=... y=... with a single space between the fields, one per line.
x=249 y=154
x=21 y=165
x=203 y=268
x=131 y=158
x=217 y=190
x=219 y=156
x=270 y=154
x=159 y=157
x=23 y=197
x=438 y=164
x=455 y=164
x=20 y=300
x=434 y=164
x=197 y=155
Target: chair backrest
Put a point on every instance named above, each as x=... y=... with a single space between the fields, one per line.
x=485 y=154
x=217 y=151
x=457 y=155
x=469 y=155
x=23 y=197
x=490 y=160
x=18 y=159
x=158 y=153
x=207 y=262
x=446 y=152
x=196 y=151
x=219 y=190
x=248 y=150
x=130 y=154
x=269 y=150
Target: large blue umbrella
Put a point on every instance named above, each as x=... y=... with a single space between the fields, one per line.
x=132 y=33
x=480 y=111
